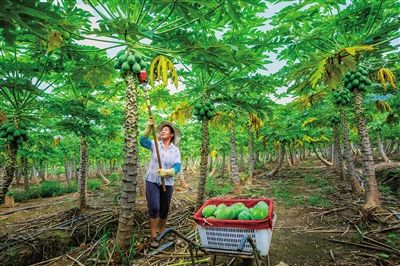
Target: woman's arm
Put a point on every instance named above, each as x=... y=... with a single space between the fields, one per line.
x=144 y=140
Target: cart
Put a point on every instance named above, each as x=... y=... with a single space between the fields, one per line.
x=249 y=240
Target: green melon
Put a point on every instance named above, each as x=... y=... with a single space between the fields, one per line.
x=244 y=215
x=20 y=140
x=259 y=212
x=226 y=213
x=208 y=210
x=262 y=204
x=10 y=138
x=355 y=82
x=3 y=134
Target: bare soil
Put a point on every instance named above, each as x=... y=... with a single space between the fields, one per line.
x=313 y=207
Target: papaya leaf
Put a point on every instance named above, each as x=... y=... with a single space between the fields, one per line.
x=318 y=73
x=55 y=40
x=359 y=48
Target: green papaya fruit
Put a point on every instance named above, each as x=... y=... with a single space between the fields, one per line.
x=125 y=66
x=17 y=133
x=20 y=140
x=10 y=129
x=131 y=59
x=138 y=57
x=122 y=58
x=117 y=65
x=120 y=53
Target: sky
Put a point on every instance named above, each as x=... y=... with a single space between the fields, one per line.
x=268 y=69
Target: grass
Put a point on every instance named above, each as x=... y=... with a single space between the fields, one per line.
x=282 y=192
x=393 y=239
x=318 y=201
x=289 y=192
x=214 y=188
x=93 y=184
x=51 y=188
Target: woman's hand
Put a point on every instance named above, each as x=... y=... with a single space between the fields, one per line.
x=165 y=172
x=150 y=124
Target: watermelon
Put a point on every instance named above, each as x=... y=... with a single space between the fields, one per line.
x=259 y=212
x=208 y=210
x=238 y=207
x=244 y=215
x=226 y=213
x=263 y=204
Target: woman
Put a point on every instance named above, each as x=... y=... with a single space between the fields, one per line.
x=158 y=201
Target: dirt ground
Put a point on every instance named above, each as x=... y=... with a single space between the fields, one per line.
x=306 y=197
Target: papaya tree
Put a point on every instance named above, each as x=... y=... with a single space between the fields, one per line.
x=130 y=24
x=333 y=55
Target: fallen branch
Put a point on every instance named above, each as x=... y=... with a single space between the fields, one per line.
x=29 y=208
x=77 y=261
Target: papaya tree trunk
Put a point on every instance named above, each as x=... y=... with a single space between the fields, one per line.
x=234 y=163
x=381 y=149
x=41 y=171
x=337 y=151
x=223 y=163
x=201 y=187
x=83 y=173
x=366 y=153
x=279 y=164
x=130 y=172
x=351 y=170
x=9 y=170
x=251 y=157
x=66 y=170
x=24 y=161
x=241 y=162
x=322 y=159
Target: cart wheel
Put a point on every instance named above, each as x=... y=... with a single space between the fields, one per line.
x=249 y=262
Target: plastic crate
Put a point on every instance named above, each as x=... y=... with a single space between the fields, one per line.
x=230 y=237
x=227 y=234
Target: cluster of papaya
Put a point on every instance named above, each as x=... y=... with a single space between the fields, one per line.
x=356 y=80
x=129 y=61
x=335 y=120
x=12 y=134
x=236 y=211
x=342 y=97
x=204 y=111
